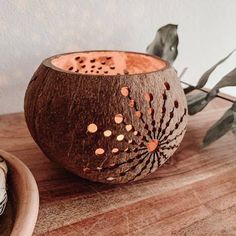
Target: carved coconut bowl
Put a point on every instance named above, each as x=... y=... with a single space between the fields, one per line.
x=107 y=116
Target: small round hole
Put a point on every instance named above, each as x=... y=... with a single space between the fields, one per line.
x=126 y=72
x=131 y=103
x=115 y=150
x=148 y=97
x=176 y=104
x=120 y=137
x=135 y=133
x=107 y=133
x=125 y=91
x=118 y=118
x=92 y=128
x=77 y=58
x=138 y=114
x=93 y=60
x=81 y=61
x=110 y=178
x=86 y=169
x=128 y=128
x=71 y=68
x=99 y=151
x=83 y=66
x=103 y=62
x=100 y=68
x=108 y=58
x=130 y=141
x=105 y=72
x=91 y=71
x=167 y=85
x=93 y=66
x=150 y=111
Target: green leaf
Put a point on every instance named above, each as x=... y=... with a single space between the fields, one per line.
x=204 y=78
x=196 y=102
x=234 y=123
x=227 y=80
x=221 y=127
x=165 y=43
x=234 y=127
x=189 y=89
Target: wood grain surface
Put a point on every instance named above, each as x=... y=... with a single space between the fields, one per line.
x=193 y=194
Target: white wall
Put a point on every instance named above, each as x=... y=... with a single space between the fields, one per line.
x=31 y=30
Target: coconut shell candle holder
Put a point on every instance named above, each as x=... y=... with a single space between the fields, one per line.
x=107 y=116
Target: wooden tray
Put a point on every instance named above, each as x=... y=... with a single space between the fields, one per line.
x=21 y=211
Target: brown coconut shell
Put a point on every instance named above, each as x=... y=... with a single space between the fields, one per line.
x=107 y=116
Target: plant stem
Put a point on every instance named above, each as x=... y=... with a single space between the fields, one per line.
x=205 y=91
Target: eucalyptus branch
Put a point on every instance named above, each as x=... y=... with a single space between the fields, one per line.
x=207 y=91
x=165 y=45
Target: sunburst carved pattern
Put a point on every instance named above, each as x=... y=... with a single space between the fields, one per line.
x=149 y=147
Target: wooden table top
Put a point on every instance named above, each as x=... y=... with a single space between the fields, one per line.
x=193 y=194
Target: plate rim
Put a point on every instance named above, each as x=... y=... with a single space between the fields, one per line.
x=27 y=193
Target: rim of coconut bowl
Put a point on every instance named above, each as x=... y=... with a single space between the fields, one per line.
x=47 y=62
